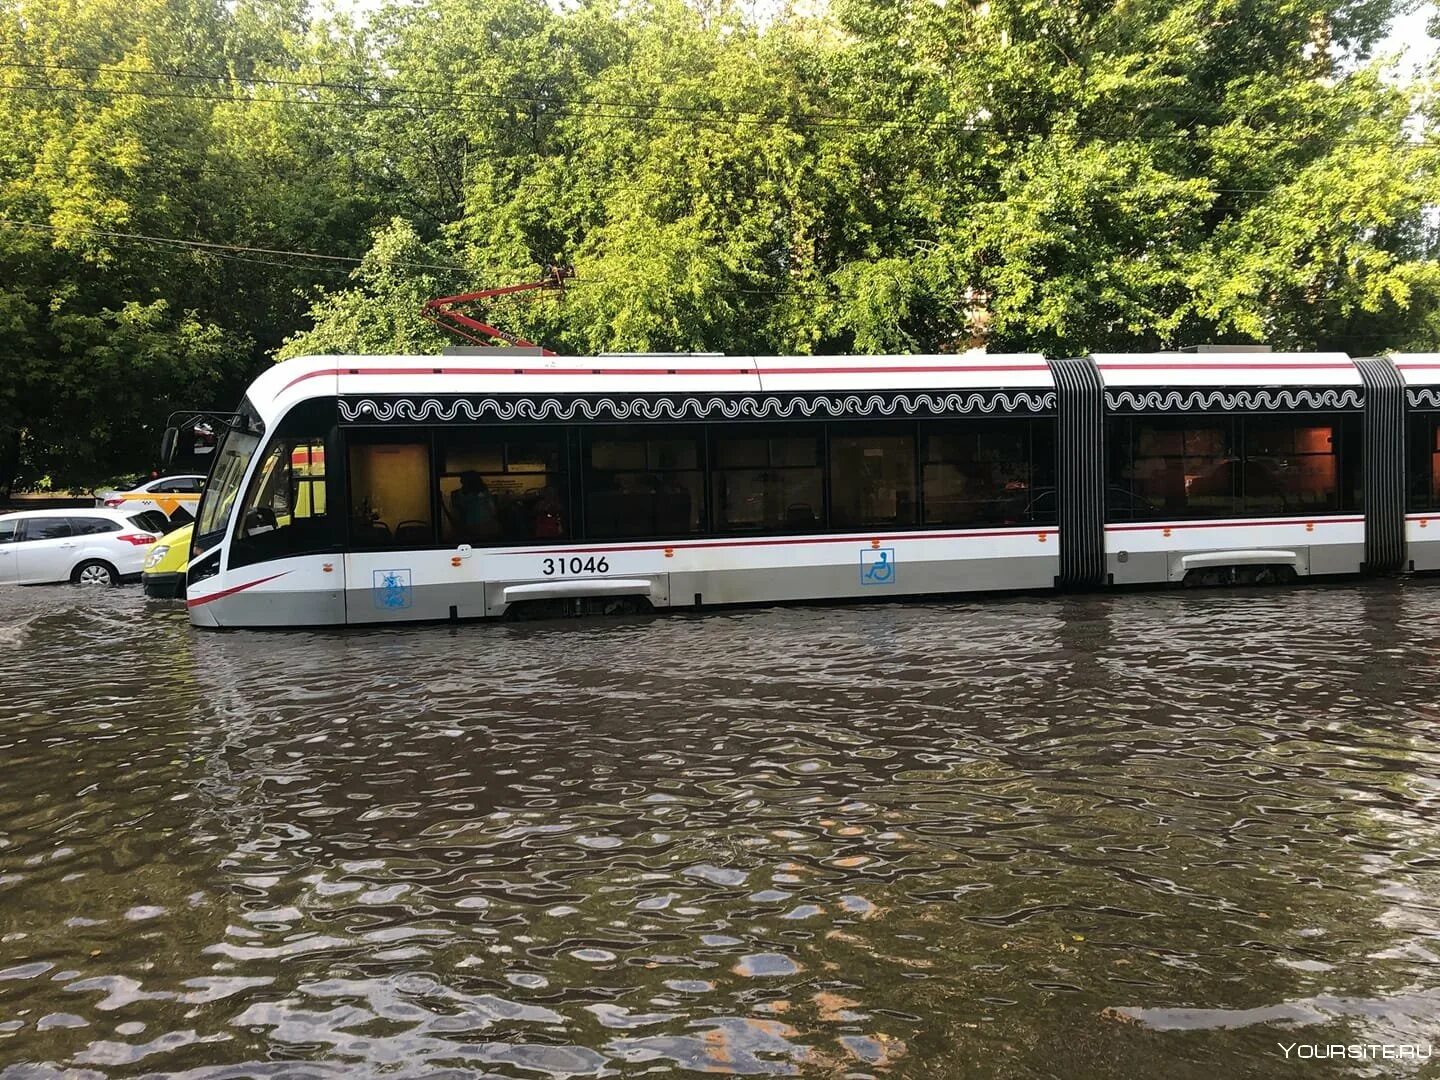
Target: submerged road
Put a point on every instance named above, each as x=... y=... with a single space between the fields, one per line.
x=1133 y=835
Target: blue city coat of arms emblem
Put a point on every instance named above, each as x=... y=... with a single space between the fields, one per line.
x=392 y=590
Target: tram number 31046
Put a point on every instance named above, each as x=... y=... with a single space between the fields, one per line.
x=575 y=565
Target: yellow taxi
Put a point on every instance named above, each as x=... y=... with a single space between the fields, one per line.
x=164 y=574
x=174 y=496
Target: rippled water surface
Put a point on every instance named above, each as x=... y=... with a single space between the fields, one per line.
x=1074 y=837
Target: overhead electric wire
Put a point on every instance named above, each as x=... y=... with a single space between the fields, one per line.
x=312 y=269
x=353 y=260
x=356 y=86
x=634 y=111
x=211 y=245
x=505 y=98
x=224 y=251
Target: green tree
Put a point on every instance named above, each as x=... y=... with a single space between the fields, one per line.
x=889 y=176
x=379 y=312
x=151 y=119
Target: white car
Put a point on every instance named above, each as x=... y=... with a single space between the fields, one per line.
x=174 y=496
x=90 y=547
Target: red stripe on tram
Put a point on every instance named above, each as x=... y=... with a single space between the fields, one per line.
x=904 y=369
x=233 y=590
x=693 y=545
x=1233 y=524
x=1152 y=366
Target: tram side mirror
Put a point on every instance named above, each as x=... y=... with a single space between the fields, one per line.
x=168 y=442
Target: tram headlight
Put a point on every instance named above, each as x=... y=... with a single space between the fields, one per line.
x=203 y=566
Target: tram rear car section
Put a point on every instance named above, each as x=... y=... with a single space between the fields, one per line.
x=362 y=490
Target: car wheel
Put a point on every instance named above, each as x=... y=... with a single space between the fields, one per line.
x=95 y=572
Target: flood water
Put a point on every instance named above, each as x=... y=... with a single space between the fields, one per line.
x=1060 y=836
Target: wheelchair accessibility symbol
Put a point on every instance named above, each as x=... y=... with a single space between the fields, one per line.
x=877 y=566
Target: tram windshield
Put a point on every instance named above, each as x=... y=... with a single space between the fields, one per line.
x=232 y=458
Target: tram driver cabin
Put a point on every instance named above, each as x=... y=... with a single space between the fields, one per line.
x=380 y=489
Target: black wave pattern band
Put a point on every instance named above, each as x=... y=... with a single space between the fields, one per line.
x=696 y=407
x=1300 y=400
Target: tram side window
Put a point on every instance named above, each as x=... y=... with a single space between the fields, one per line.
x=1219 y=467
x=1291 y=465
x=1172 y=467
x=285 y=511
x=1424 y=461
x=988 y=472
x=872 y=475
x=643 y=481
x=503 y=485
x=1434 y=462
x=390 y=491
x=768 y=478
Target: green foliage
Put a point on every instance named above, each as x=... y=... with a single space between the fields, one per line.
x=890 y=176
x=117 y=374
x=380 y=311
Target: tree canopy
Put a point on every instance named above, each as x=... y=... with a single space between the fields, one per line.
x=872 y=176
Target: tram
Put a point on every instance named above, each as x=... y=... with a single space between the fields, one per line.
x=487 y=482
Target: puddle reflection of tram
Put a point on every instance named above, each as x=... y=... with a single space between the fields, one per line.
x=500 y=481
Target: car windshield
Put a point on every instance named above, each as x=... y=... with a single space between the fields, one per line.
x=218 y=502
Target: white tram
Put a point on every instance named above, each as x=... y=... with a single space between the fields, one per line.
x=374 y=489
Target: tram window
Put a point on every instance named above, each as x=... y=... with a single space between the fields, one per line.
x=503 y=485
x=1291 y=465
x=1424 y=461
x=1177 y=467
x=643 y=481
x=285 y=512
x=768 y=479
x=872 y=475
x=1042 y=453
x=1434 y=463
x=1172 y=467
x=390 y=493
x=988 y=472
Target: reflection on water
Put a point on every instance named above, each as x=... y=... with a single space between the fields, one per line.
x=1101 y=836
